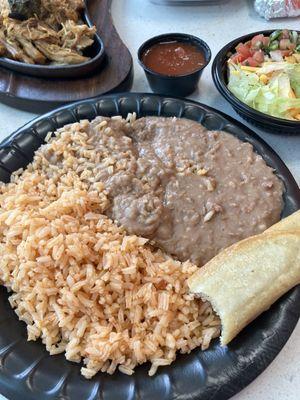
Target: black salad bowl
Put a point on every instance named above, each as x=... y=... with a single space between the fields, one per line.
x=257 y=118
x=179 y=85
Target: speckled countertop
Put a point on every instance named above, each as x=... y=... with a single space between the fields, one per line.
x=136 y=21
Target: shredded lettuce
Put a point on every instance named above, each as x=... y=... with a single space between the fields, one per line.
x=294 y=75
x=277 y=97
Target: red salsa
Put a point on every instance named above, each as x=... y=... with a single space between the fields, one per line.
x=173 y=58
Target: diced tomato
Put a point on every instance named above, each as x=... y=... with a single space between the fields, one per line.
x=252 y=53
x=237 y=58
x=284 y=44
x=250 y=62
x=256 y=39
x=266 y=41
x=259 y=37
x=259 y=56
x=285 y=34
x=286 y=53
x=243 y=50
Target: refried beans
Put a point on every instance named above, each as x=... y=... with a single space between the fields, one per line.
x=190 y=190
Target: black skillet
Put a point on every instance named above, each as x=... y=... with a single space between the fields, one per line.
x=95 y=52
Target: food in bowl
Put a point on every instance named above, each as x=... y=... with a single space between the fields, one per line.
x=44 y=32
x=89 y=266
x=264 y=73
x=173 y=58
x=174 y=62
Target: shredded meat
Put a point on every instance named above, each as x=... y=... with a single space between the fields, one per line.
x=53 y=35
x=56 y=12
x=31 y=51
x=74 y=36
x=59 y=55
x=13 y=50
x=31 y=29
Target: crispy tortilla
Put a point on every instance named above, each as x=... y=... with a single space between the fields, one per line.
x=247 y=278
x=290 y=223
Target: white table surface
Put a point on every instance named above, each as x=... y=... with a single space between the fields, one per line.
x=138 y=20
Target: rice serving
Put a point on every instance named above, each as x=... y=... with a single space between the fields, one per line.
x=78 y=280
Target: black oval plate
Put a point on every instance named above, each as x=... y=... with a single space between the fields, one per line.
x=27 y=372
